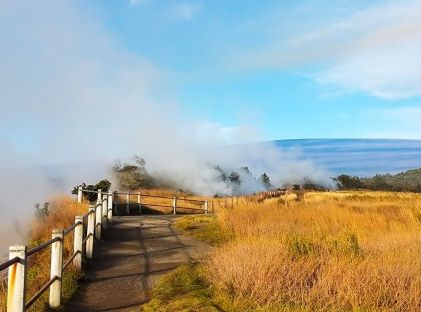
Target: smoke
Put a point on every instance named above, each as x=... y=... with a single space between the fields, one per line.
x=73 y=100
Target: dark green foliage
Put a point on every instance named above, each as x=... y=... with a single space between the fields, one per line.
x=348 y=182
x=264 y=178
x=308 y=185
x=234 y=177
x=103 y=185
x=409 y=181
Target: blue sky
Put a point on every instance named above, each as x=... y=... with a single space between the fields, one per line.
x=287 y=68
x=213 y=72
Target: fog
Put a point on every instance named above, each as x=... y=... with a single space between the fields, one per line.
x=73 y=100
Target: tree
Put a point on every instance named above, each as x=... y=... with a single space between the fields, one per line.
x=345 y=181
x=264 y=178
x=134 y=176
x=103 y=185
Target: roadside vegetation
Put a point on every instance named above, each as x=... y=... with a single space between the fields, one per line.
x=409 y=181
x=59 y=213
x=335 y=251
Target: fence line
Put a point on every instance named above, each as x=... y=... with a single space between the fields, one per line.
x=86 y=229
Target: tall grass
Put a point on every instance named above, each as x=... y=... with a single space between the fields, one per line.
x=342 y=251
x=62 y=214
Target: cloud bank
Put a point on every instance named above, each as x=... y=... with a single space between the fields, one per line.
x=373 y=50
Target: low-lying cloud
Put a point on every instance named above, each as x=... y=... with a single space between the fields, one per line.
x=73 y=100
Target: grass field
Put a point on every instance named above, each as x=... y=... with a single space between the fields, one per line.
x=336 y=251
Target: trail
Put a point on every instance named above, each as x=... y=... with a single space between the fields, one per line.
x=134 y=252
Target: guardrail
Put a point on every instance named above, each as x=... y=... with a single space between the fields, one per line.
x=86 y=229
x=97 y=219
x=202 y=205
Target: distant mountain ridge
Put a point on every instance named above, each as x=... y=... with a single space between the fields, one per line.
x=361 y=157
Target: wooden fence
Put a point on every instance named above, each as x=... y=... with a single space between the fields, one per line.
x=86 y=229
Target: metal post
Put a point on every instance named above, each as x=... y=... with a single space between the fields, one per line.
x=90 y=230
x=99 y=194
x=104 y=211
x=174 y=205
x=206 y=207
x=110 y=207
x=139 y=204
x=128 y=203
x=98 y=218
x=79 y=194
x=16 y=280
x=56 y=268
x=78 y=242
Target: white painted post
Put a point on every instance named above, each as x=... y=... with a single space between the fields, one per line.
x=174 y=205
x=16 y=280
x=79 y=194
x=110 y=207
x=139 y=204
x=98 y=218
x=78 y=242
x=128 y=203
x=206 y=207
x=56 y=268
x=90 y=230
x=99 y=194
x=104 y=211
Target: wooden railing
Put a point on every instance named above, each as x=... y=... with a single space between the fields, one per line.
x=98 y=218
x=86 y=229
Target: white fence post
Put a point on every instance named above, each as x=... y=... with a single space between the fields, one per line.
x=90 y=230
x=99 y=194
x=110 y=207
x=104 y=212
x=56 y=268
x=206 y=207
x=174 y=205
x=128 y=203
x=16 y=280
x=79 y=194
x=78 y=242
x=139 y=204
x=98 y=218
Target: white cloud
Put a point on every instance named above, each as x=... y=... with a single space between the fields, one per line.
x=375 y=50
x=184 y=11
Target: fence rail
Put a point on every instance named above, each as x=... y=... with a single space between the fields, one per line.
x=86 y=229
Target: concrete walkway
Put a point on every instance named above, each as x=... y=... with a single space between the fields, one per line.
x=132 y=255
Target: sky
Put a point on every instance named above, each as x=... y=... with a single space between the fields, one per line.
x=291 y=69
x=223 y=72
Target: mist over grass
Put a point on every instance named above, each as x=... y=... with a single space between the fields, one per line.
x=74 y=100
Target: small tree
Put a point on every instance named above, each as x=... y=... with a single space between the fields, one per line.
x=103 y=185
x=133 y=176
x=265 y=180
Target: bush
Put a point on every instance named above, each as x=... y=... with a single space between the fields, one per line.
x=103 y=185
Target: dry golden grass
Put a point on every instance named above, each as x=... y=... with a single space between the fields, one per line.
x=337 y=251
x=62 y=214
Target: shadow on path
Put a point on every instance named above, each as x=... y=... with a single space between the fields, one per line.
x=134 y=252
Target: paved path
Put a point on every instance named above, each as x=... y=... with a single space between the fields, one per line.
x=133 y=253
